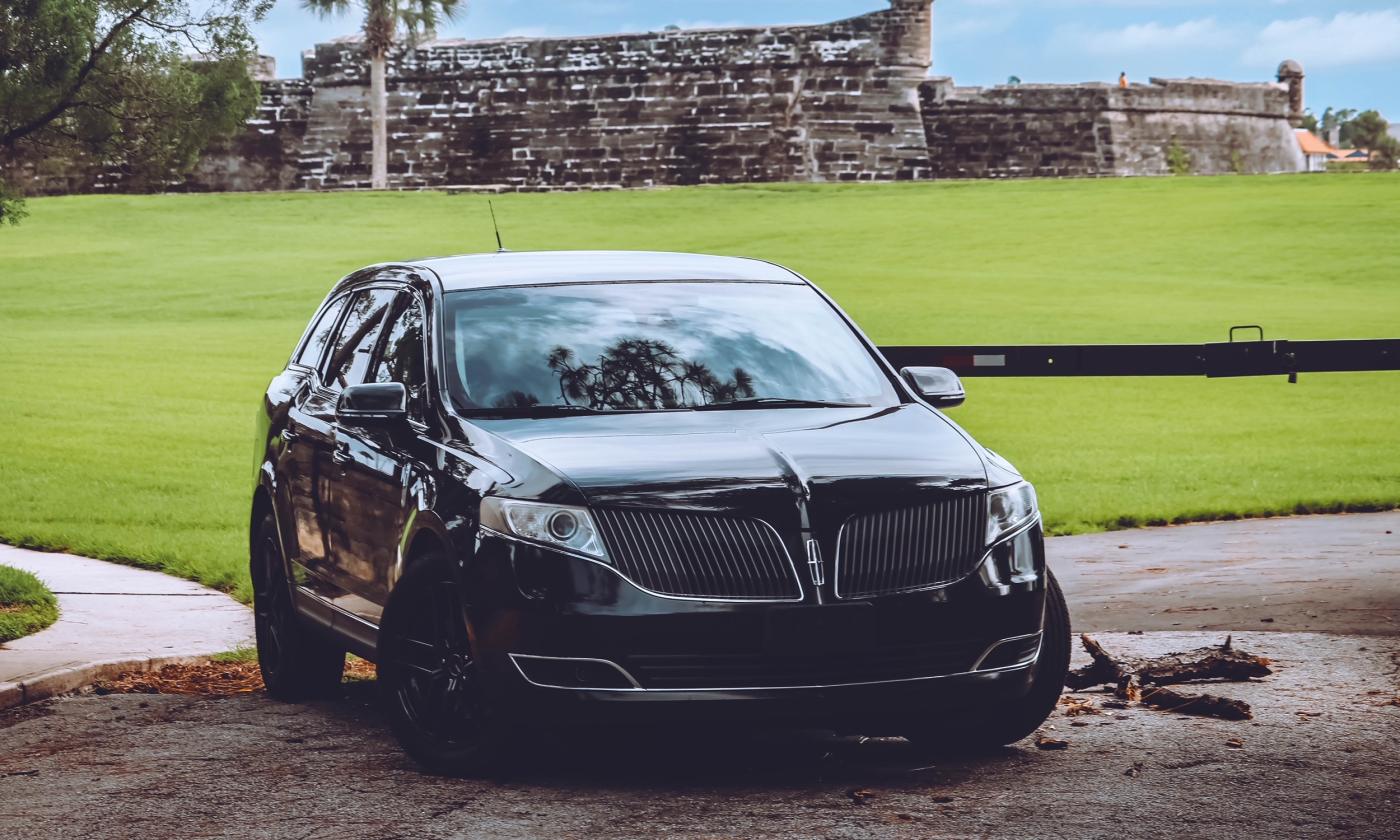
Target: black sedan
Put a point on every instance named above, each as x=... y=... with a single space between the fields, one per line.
x=620 y=487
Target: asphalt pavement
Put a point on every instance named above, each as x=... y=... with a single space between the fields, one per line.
x=1321 y=758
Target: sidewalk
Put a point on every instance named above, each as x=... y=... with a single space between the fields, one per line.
x=113 y=618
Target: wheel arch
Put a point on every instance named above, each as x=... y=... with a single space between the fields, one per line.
x=263 y=504
x=424 y=533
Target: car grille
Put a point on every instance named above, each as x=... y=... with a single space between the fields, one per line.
x=910 y=548
x=699 y=555
x=757 y=670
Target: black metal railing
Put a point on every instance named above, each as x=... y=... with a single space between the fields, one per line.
x=1215 y=359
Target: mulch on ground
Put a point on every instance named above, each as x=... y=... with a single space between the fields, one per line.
x=209 y=679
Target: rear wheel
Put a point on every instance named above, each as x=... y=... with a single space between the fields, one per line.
x=296 y=663
x=997 y=724
x=432 y=687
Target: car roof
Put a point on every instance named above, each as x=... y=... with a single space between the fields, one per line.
x=527 y=268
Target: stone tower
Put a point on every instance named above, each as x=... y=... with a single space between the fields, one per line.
x=909 y=42
x=1290 y=73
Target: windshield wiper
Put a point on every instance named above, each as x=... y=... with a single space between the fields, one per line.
x=776 y=402
x=533 y=411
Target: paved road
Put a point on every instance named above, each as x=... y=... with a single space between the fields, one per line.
x=247 y=767
x=1335 y=574
x=1321 y=759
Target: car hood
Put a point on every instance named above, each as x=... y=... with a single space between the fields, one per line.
x=757 y=462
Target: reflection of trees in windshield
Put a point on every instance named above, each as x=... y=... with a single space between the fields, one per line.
x=642 y=373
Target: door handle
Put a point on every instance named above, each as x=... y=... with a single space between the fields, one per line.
x=289 y=436
x=341 y=455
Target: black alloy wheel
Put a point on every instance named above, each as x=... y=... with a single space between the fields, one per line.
x=430 y=682
x=296 y=663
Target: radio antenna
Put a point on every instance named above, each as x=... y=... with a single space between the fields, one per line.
x=499 y=247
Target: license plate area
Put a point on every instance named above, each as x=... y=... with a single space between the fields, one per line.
x=819 y=631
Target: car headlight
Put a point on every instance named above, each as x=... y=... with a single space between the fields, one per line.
x=1009 y=508
x=560 y=526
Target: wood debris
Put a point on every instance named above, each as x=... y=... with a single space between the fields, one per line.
x=1045 y=742
x=1145 y=680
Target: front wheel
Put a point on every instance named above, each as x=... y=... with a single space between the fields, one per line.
x=429 y=680
x=296 y=664
x=998 y=724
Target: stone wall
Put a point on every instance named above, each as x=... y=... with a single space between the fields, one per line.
x=845 y=101
x=803 y=103
x=1100 y=129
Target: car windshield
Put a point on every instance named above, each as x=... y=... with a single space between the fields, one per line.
x=654 y=346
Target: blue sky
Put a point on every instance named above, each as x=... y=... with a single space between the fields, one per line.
x=1349 y=48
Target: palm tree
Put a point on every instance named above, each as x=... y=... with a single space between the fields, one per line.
x=383 y=21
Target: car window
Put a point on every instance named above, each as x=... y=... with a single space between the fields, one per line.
x=354 y=345
x=653 y=346
x=320 y=335
x=401 y=357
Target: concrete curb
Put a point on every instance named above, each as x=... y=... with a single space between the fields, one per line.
x=113 y=619
x=73 y=678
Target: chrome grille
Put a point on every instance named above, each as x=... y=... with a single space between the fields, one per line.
x=910 y=548
x=699 y=555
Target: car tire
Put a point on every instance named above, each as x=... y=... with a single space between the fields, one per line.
x=433 y=691
x=296 y=662
x=997 y=724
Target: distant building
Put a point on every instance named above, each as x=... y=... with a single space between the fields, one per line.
x=1316 y=151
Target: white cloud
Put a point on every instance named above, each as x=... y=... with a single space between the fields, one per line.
x=1346 y=38
x=1144 y=38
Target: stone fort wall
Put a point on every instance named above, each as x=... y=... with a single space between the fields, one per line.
x=844 y=101
x=1100 y=129
x=837 y=102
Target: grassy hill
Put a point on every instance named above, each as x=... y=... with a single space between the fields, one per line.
x=137 y=333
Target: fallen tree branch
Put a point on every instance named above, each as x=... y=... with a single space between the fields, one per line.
x=1142 y=680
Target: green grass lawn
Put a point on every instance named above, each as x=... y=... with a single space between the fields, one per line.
x=137 y=333
x=26 y=605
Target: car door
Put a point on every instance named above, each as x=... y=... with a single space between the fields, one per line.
x=304 y=432
x=380 y=463
x=347 y=363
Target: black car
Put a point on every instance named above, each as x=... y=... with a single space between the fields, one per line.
x=627 y=487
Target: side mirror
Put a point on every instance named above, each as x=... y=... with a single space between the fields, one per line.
x=373 y=402
x=939 y=387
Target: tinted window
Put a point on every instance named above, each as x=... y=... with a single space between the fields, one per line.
x=354 y=345
x=310 y=354
x=401 y=359
x=651 y=346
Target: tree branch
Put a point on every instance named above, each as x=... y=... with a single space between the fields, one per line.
x=66 y=101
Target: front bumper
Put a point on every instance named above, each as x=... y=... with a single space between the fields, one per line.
x=562 y=636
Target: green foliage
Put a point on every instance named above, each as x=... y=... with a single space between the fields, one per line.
x=1335 y=118
x=11 y=205
x=388 y=21
x=1385 y=154
x=1236 y=162
x=1178 y=159
x=26 y=605
x=137 y=352
x=1364 y=131
x=1310 y=122
x=111 y=83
